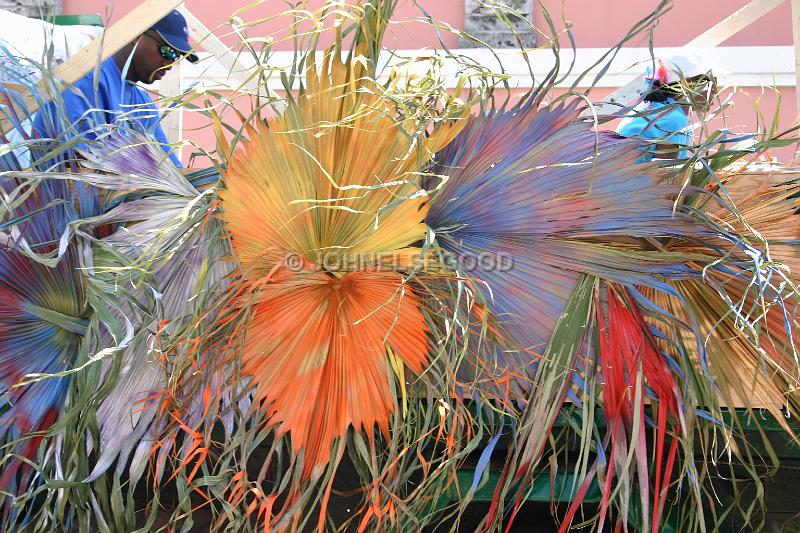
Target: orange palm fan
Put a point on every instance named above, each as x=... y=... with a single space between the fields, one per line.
x=316 y=349
x=330 y=183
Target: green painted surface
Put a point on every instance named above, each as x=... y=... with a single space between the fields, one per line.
x=76 y=20
x=563 y=487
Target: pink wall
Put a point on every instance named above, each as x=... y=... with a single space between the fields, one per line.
x=600 y=23
x=408 y=31
x=594 y=23
x=741 y=117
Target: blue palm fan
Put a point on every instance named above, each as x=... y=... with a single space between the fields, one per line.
x=540 y=186
x=43 y=319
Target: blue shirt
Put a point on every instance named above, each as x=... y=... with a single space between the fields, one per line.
x=115 y=101
x=670 y=125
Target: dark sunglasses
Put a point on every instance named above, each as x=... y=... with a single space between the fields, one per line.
x=166 y=51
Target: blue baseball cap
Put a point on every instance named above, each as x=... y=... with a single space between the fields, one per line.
x=175 y=32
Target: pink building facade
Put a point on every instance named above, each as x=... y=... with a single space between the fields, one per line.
x=757 y=63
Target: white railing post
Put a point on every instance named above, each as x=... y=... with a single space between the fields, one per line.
x=171 y=85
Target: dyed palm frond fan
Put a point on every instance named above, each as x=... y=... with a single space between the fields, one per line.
x=44 y=319
x=375 y=285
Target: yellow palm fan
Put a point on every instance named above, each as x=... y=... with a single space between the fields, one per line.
x=771 y=210
x=747 y=374
x=333 y=177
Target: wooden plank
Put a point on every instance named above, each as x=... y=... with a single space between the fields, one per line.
x=710 y=38
x=118 y=35
x=619 y=98
x=741 y=180
x=734 y=23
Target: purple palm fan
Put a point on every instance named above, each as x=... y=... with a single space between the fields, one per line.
x=170 y=229
x=128 y=413
x=556 y=199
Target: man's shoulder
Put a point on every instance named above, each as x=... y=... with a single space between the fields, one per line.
x=112 y=88
x=104 y=69
x=107 y=76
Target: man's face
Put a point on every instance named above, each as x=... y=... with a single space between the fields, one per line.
x=149 y=64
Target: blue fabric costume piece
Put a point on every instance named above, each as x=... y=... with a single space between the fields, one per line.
x=663 y=123
x=115 y=100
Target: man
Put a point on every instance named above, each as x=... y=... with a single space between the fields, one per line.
x=116 y=98
x=674 y=86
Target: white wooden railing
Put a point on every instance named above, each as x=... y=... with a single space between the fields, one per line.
x=745 y=65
